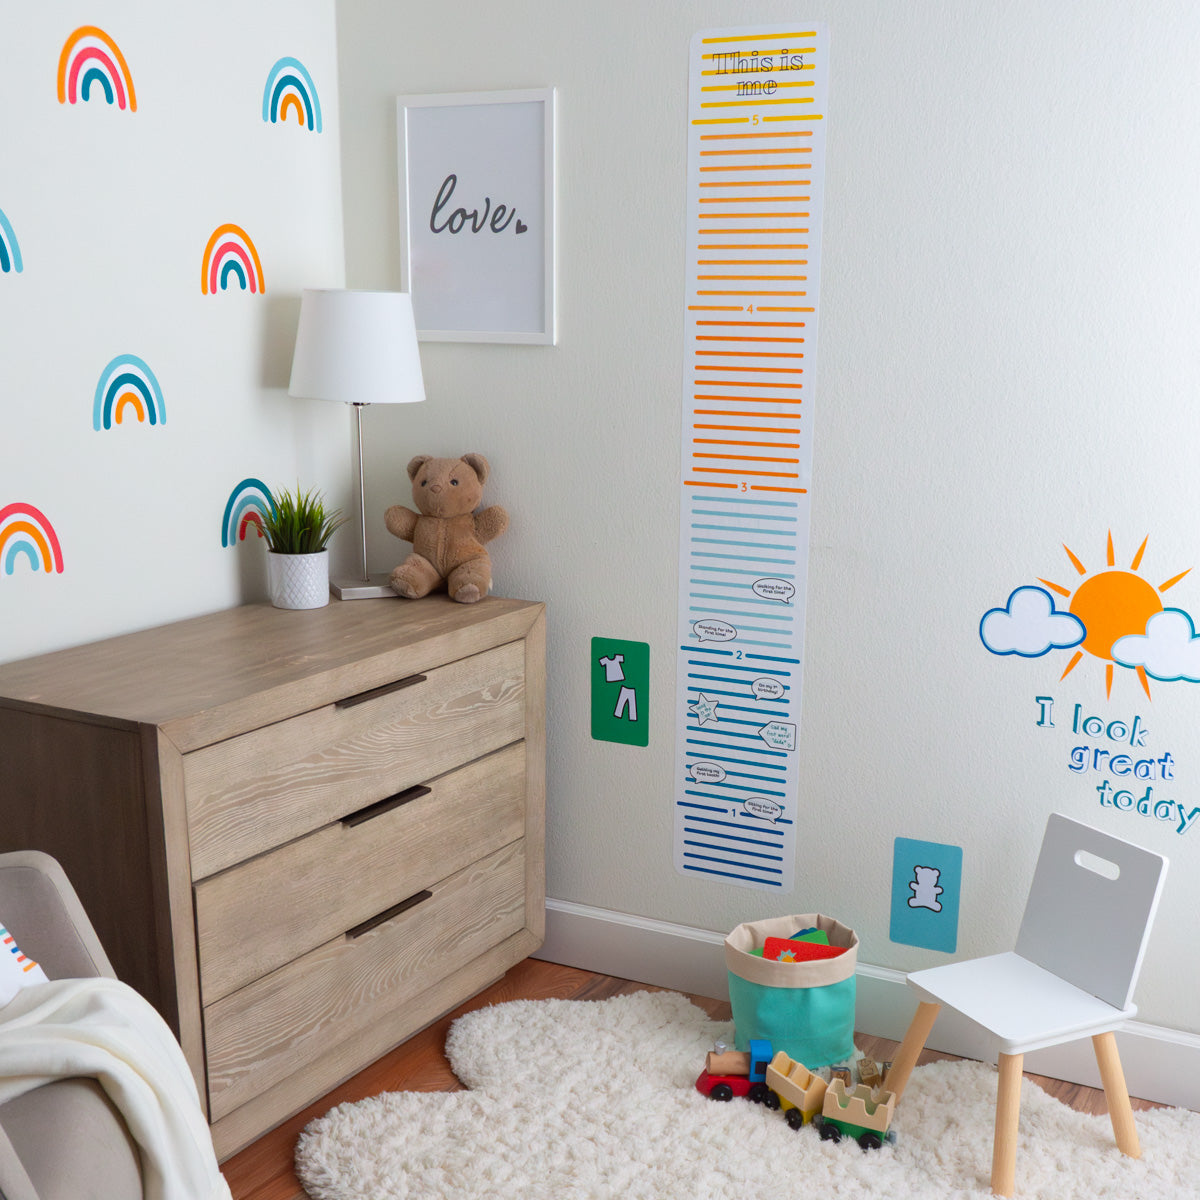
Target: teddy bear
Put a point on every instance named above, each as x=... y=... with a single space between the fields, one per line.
x=447 y=534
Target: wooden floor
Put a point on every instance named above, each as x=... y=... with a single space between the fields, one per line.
x=263 y=1171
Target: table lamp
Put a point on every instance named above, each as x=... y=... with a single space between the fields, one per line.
x=360 y=348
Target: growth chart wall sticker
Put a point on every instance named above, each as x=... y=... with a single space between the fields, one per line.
x=756 y=150
x=1117 y=616
x=91 y=60
x=248 y=503
x=231 y=254
x=127 y=386
x=10 y=249
x=289 y=88
x=26 y=536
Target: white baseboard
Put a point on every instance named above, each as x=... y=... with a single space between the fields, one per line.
x=1160 y=1064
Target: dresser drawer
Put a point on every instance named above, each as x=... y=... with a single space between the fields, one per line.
x=256 y=791
x=263 y=913
x=261 y=1034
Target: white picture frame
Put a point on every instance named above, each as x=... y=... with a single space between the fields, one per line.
x=476 y=176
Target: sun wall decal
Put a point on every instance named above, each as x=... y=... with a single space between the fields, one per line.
x=1112 y=604
x=1114 y=614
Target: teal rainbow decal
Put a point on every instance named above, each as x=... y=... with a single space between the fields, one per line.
x=246 y=506
x=290 y=87
x=10 y=251
x=127 y=383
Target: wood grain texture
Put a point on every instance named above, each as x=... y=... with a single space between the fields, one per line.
x=267 y=911
x=213 y=677
x=109 y=751
x=265 y=1031
x=275 y=783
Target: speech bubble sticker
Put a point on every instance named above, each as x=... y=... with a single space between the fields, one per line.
x=713 y=631
x=774 y=589
x=779 y=735
x=706 y=772
x=762 y=808
x=767 y=689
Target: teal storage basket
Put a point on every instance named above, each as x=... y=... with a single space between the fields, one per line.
x=805 y=1008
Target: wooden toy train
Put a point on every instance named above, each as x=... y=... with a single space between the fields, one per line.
x=778 y=1082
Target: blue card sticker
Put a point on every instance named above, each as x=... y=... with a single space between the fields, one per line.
x=926 y=882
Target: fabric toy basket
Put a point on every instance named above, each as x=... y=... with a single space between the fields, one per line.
x=803 y=1008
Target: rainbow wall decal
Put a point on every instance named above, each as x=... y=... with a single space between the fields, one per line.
x=25 y=533
x=290 y=88
x=231 y=252
x=127 y=382
x=245 y=507
x=10 y=251
x=89 y=58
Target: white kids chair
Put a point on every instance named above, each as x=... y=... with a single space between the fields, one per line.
x=1080 y=947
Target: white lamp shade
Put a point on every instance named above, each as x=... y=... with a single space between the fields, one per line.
x=358 y=347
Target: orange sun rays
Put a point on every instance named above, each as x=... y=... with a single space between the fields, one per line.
x=1112 y=604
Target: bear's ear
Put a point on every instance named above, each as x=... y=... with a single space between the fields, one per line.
x=478 y=464
x=417 y=463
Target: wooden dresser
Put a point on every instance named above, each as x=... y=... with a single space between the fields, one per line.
x=302 y=835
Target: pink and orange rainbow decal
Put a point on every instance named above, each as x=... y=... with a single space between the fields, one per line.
x=25 y=532
x=90 y=57
x=231 y=252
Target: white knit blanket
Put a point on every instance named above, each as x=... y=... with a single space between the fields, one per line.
x=103 y=1029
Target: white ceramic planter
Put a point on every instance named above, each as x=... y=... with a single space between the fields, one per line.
x=298 y=580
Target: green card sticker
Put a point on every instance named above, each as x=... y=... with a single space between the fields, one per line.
x=620 y=674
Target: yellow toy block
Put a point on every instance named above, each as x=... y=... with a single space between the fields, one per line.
x=799 y=1090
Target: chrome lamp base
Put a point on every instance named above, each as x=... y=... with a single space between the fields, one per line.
x=362 y=589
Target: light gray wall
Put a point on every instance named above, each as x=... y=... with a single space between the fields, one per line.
x=1008 y=364
x=112 y=210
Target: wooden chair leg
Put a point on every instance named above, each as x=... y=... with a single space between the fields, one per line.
x=1120 y=1111
x=1008 y=1111
x=911 y=1047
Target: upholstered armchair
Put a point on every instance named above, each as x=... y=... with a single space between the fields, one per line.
x=64 y=1140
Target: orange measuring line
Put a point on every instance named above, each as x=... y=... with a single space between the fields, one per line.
x=720 y=412
x=759 y=458
x=748 y=354
x=759 y=474
x=710 y=483
x=730 y=337
x=762 y=166
x=757 y=324
x=757 y=370
x=731 y=216
x=743 y=292
x=760 y=150
x=731 y=442
x=745 y=428
x=712 y=137
x=766 y=487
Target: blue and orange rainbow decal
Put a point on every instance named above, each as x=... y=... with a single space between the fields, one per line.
x=10 y=251
x=246 y=506
x=26 y=533
x=127 y=382
x=230 y=252
x=290 y=88
x=89 y=58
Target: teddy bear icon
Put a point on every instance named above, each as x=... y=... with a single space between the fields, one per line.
x=926 y=889
x=447 y=533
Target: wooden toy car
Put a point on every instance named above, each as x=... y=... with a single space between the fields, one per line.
x=799 y=1091
x=738 y=1073
x=863 y=1115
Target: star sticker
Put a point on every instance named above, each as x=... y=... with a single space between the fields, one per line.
x=704 y=709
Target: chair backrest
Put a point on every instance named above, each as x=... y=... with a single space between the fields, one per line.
x=1090 y=909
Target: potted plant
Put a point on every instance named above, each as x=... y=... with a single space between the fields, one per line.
x=298 y=528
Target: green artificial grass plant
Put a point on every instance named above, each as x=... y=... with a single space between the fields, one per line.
x=299 y=523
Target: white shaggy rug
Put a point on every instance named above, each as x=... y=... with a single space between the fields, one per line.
x=592 y=1100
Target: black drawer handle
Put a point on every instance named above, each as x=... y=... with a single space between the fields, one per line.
x=387 y=914
x=386 y=689
x=385 y=805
